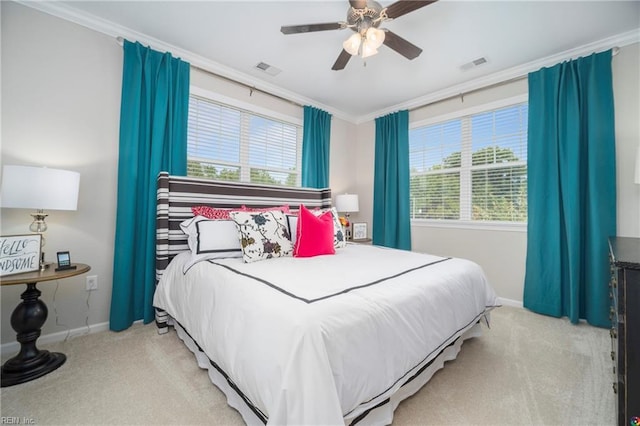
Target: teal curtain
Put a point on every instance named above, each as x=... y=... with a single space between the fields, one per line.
x=315 y=148
x=572 y=189
x=391 y=215
x=153 y=137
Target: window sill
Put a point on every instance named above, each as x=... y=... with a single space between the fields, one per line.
x=467 y=224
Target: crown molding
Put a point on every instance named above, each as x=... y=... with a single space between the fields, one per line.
x=619 y=40
x=92 y=22
x=109 y=28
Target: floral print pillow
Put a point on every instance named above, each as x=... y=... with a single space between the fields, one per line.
x=263 y=235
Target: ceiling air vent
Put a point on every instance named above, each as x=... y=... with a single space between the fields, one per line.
x=473 y=64
x=269 y=69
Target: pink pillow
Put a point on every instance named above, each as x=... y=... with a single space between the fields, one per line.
x=211 y=212
x=314 y=234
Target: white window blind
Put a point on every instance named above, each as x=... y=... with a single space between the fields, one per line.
x=472 y=168
x=228 y=143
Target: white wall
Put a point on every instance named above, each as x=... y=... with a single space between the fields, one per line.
x=60 y=108
x=626 y=90
x=61 y=86
x=502 y=253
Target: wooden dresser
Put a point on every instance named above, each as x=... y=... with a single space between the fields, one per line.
x=624 y=256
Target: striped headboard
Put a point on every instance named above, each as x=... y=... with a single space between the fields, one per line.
x=176 y=195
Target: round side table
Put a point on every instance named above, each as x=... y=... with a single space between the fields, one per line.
x=27 y=320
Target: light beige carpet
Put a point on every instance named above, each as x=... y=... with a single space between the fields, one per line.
x=526 y=370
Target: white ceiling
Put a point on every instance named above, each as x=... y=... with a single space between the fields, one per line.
x=231 y=37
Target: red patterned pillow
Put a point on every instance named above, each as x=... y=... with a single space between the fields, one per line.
x=314 y=235
x=211 y=212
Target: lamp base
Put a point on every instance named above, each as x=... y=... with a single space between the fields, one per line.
x=38 y=225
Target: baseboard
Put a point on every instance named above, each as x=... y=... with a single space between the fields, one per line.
x=13 y=348
x=510 y=302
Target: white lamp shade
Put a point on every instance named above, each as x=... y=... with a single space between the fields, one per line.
x=347 y=203
x=375 y=37
x=42 y=188
x=352 y=44
x=368 y=49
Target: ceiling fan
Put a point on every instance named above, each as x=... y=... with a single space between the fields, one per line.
x=364 y=17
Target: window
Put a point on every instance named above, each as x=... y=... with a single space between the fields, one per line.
x=229 y=143
x=472 y=168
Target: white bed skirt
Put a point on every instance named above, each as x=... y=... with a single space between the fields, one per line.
x=381 y=415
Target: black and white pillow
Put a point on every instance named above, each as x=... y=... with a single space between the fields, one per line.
x=210 y=239
x=263 y=235
x=339 y=240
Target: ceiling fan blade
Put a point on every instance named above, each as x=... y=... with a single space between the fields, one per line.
x=402 y=7
x=400 y=45
x=358 y=4
x=342 y=60
x=295 y=29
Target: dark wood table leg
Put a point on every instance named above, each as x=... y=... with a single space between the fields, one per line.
x=30 y=363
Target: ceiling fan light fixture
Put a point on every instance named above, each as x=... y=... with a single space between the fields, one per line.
x=364 y=17
x=375 y=37
x=352 y=44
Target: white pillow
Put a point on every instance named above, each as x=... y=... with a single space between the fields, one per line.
x=210 y=239
x=292 y=221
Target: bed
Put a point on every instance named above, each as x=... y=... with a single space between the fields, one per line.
x=336 y=339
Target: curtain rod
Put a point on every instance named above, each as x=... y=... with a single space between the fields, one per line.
x=614 y=51
x=462 y=94
x=252 y=89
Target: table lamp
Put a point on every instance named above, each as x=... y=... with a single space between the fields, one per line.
x=39 y=188
x=347 y=203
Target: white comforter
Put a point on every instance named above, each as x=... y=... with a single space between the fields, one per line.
x=317 y=340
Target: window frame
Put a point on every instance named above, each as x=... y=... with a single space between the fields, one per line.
x=465 y=188
x=245 y=167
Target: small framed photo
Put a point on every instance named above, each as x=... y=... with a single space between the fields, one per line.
x=64 y=261
x=359 y=230
x=19 y=253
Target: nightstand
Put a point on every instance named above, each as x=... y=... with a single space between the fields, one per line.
x=27 y=320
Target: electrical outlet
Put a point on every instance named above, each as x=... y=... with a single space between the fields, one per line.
x=92 y=282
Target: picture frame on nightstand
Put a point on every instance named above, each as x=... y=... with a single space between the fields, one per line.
x=20 y=253
x=359 y=231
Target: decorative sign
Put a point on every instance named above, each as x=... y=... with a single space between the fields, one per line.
x=19 y=253
x=360 y=231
